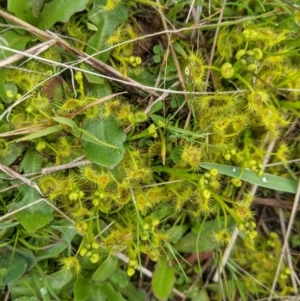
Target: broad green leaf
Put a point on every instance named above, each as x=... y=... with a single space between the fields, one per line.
x=201 y=239
x=60 y=246
x=22 y=287
x=36 y=7
x=163 y=279
x=12 y=266
x=266 y=180
x=158 y=119
x=14 y=151
x=43 y=284
x=91 y=26
x=27 y=255
x=31 y=162
x=119 y=277
x=176 y=232
x=26 y=10
x=100 y=90
x=66 y=121
x=106 y=22
x=41 y=133
x=93 y=79
x=26 y=298
x=143 y=76
x=199 y=295
x=60 y=279
x=176 y=153
x=109 y=291
x=96 y=293
x=59 y=11
x=106 y=269
x=179 y=49
x=106 y=130
x=33 y=217
x=156 y=58
x=14 y=40
x=88 y=137
x=130 y=291
x=82 y=288
x=156 y=107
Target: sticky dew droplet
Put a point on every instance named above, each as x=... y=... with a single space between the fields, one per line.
x=234 y=169
x=264 y=179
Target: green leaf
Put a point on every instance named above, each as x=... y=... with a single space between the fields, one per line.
x=60 y=246
x=14 y=151
x=12 y=266
x=201 y=238
x=33 y=217
x=176 y=153
x=109 y=291
x=27 y=255
x=130 y=291
x=93 y=79
x=157 y=49
x=43 y=284
x=26 y=298
x=14 y=40
x=156 y=107
x=41 y=133
x=82 y=288
x=179 y=49
x=106 y=269
x=31 y=162
x=158 y=119
x=23 y=286
x=5 y=225
x=266 y=180
x=66 y=121
x=106 y=22
x=163 y=279
x=106 y=130
x=176 y=232
x=88 y=137
x=142 y=76
x=26 y=10
x=91 y=26
x=156 y=58
x=120 y=277
x=59 y=11
x=60 y=279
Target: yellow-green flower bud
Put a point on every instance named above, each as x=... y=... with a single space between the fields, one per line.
x=240 y=53
x=155 y=222
x=206 y=194
x=130 y=272
x=9 y=94
x=78 y=76
x=227 y=70
x=214 y=172
x=251 y=67
x=237 y=182
x=95 y=258
x=83 y=252
x=258 y=54
x=95 y=245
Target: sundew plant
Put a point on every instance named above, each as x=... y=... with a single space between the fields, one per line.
x=149 y=150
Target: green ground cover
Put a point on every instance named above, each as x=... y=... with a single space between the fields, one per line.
x=149 y=150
